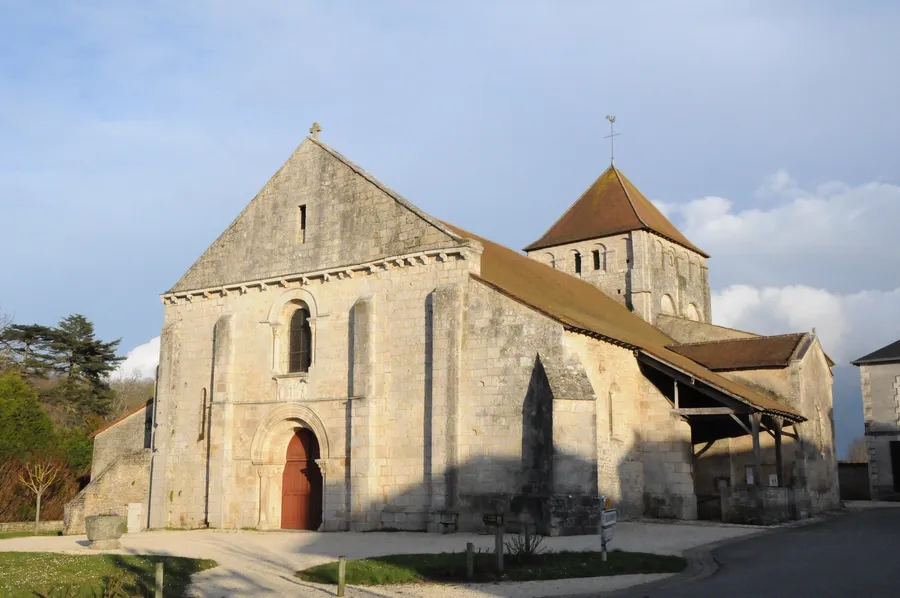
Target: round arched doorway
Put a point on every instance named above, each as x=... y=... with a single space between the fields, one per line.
x=301 y=487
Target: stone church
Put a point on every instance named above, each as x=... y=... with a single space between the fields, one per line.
x=340 y=360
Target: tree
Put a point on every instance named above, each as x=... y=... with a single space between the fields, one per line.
x=38 y=477
x=29 y=346
x=24 y=426
x=859 y=453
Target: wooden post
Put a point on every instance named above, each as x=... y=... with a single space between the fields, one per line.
x=470 y=561
x=342 y=573
x=757 y=462
x=676 y=394
x=498 y=546
x=779 y=464
x=723 y=500
x=159 y=580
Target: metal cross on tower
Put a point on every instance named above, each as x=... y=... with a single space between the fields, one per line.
x=611 y=136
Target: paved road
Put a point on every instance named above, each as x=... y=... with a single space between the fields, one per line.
x=856 y=555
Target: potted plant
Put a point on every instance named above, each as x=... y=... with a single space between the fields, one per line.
x=104 y=530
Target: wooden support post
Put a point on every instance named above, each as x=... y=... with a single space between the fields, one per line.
x=498 y=547
x=342 y=574
x=470 y=561
x=159 y=580
x=676 y=394
x=779 y=464
x=757 y=463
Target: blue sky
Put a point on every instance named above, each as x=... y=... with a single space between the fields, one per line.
x=131 y=134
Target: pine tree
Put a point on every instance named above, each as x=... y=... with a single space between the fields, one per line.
x=30 y=347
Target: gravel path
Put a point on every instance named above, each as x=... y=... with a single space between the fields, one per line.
x=263 y=563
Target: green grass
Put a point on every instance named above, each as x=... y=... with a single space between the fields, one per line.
x=451 y=567
x=30 y=574
x=6 y=535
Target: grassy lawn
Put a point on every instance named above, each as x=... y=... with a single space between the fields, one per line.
x=6 y=535
x=30 y=574
x=408 y=568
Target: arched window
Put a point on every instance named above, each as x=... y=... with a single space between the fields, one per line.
x=299 y=342
x=600 y=258
x=551 y=260
x=667 y=306
x=692 y=313
x=577 y=262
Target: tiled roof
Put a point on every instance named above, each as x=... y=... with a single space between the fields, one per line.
x=743 y=353
x=612 y=205
x=582 y=307
x=883 y=355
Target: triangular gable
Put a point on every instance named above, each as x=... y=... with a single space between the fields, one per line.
x=610 y=206
x=351 y=218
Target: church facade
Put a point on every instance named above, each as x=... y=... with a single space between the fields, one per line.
x=340 y=360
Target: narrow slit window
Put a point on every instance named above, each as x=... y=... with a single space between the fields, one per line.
x=301 y=233
x=596 y=259
x=577 y=263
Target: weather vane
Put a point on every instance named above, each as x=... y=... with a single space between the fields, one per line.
x=612 y=134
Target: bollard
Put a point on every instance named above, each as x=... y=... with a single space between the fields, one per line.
x=470 y=561
x=159 y=580
x=342 y=573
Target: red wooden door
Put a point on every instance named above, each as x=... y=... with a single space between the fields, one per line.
x=301 y=494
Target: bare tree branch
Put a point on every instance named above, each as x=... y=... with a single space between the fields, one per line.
x=37 y=478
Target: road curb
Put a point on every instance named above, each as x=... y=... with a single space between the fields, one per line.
x=702 y=563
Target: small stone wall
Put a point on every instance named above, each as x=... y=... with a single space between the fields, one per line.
x=28 y=526
x=776 y=505
x=854 y=481
x=125 y=481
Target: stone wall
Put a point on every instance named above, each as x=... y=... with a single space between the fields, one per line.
x=645 y=272
x=28 y=526
x=124 y=481
x=126 y=436
x=683 y=330
x=881 y=414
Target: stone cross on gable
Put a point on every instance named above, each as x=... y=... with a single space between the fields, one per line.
x=314 y=130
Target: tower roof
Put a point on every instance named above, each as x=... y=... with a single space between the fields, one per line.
x=612 y=205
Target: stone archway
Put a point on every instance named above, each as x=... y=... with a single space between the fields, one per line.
x=269 y=452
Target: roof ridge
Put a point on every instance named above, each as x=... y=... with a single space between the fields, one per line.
x=734 y=340
x=628 y=197
x=569 y=209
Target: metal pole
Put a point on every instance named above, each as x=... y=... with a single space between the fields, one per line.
x=342 y=573
x=470 y=561
x=159 y=580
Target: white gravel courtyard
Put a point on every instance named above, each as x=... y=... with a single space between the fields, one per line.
x=263 y=563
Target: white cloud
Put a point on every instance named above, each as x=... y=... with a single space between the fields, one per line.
x=140 y=361
x=833 y=237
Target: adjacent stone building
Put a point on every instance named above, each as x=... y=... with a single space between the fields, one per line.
x=338 y=359
x=880 y=375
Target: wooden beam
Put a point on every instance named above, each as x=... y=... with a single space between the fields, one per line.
x=708 y=446
x=740 y=423
x=704 y=411
x=757 y=463
x=779 y=465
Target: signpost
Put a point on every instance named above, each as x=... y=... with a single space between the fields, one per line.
x=608 y=518
x=496 y=521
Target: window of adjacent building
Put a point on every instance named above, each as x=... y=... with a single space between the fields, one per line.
x=551 y=260
x=301 y=230
x=596 y=259
x=299 y=341
x=577 y=263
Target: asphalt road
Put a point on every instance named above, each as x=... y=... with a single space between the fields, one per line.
x=855 y=555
